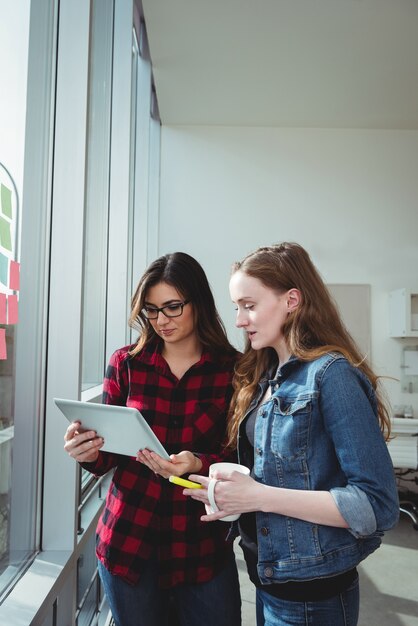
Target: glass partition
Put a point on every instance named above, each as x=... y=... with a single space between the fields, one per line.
x=9 y=294
x=97 y=193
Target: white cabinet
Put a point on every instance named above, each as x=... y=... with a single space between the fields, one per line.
x=403 y=313
x=403 y=447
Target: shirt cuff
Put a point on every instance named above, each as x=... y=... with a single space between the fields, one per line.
x=206 y=462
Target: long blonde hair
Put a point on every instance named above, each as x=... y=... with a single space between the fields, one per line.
x=314 y=328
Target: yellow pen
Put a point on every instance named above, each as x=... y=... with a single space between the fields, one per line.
x=184 y=483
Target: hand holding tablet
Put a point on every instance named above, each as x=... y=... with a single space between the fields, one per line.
x=124 y=429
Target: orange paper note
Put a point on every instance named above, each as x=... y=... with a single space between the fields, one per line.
x=14 y=281
x=3 y=317
x=12 y=310
x=3 y=351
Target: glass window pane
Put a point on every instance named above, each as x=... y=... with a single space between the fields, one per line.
x=7 y=372
x=24 y=250
x=13 y=555
x=97 y=193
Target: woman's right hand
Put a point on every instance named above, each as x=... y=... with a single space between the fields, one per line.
x=82 y=446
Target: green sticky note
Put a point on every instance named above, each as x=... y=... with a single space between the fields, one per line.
x=5 y=237
x=4 y=266
x=6 y=201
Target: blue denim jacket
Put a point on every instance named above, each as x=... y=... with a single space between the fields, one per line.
x=319 y=431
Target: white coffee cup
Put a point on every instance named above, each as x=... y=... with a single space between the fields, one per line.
x=222 y=467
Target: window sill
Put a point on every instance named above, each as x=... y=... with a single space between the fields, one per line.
x=30 y=600
x=92 y=394
x=36 y=589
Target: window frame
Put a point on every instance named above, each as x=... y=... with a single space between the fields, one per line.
x=31 y=339
x=53 y=572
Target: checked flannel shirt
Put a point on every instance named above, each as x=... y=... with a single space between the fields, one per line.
x=145 y=515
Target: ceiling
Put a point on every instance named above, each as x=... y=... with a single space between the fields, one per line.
x=285 y=63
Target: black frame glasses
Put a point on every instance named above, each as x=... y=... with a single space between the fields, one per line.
x=169 y=310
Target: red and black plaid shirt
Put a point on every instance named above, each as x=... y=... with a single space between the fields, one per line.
x=145 y=515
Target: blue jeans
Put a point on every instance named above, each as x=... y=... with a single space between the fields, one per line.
x=215 y=603
x=341 y=610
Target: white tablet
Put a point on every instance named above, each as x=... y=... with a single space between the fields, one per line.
x=123 y=429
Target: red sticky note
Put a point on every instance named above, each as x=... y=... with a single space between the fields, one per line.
x=3 y=318
x=12 y=310
x=14 y=279
x=3 y=351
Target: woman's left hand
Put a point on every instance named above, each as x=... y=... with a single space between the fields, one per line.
x=182 y=463
x=234 y=493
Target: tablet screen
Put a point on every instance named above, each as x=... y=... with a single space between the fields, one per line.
x=124 y=429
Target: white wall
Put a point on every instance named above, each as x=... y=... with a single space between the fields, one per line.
x=349 y=196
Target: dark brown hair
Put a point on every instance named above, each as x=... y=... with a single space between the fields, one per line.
x=186 y=275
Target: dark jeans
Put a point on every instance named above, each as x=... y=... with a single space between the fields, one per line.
x=341 y=610
x=215 y=603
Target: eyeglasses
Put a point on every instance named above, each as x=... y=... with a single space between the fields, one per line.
x=170 y=310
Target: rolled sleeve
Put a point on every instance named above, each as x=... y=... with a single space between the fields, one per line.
x=105 y=462
x=369 y=499
x=356 y=509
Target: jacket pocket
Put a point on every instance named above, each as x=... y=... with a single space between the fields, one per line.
x=291 y=426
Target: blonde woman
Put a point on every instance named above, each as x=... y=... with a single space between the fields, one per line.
x=308 y=418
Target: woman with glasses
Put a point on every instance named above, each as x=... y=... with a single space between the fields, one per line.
x=152 y=548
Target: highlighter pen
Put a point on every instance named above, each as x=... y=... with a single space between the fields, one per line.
x=184 y=483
